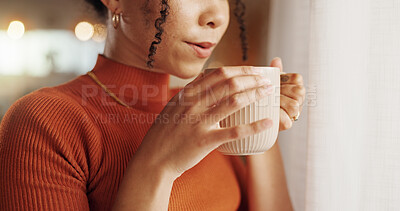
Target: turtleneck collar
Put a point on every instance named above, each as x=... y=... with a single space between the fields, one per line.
x=138 y=88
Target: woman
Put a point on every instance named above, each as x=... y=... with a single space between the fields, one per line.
x=111 y=139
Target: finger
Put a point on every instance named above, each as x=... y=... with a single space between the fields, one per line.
x=234 y=85
x=277 y=62
x=240 y=131
x=291 y=78
x=219 y=75
x=292 y=107
x=236 y=102
x=285 y=122
x=296 y=92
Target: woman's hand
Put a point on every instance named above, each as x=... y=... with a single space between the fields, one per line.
x=187 y=130
x=292 y=96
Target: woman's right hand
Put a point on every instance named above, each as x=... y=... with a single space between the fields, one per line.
x=187 y=129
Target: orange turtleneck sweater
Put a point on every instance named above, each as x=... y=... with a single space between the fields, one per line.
x=66 y=147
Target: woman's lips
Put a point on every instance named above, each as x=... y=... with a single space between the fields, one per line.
x=202 y=52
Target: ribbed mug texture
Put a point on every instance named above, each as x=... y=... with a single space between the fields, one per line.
x=268 y=107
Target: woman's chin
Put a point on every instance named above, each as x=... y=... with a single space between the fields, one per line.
x=188 y=72
x=187 y=75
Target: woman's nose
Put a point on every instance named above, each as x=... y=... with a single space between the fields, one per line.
x=213 y=17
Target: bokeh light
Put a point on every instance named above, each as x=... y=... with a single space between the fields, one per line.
x=16 y=30
x=84 y=31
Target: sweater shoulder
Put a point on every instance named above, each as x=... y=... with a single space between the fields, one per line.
x=52 y=148
x=53 y=118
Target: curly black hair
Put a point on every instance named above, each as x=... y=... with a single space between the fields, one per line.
x=158 y=24
x=239 y=12
x=99 y=7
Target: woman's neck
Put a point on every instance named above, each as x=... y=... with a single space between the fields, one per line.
x=120 y=49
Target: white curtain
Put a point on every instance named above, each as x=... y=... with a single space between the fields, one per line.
x=344 y=152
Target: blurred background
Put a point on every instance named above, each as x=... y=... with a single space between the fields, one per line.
x=342 y=154
x=45 y=43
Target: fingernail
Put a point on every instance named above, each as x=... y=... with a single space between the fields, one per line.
x=268 y=89
x=267 y=123
x=279 y=60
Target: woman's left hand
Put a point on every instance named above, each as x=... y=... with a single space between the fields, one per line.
x=292 y=96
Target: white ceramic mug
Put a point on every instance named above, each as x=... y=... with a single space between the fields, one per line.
x=268 y=107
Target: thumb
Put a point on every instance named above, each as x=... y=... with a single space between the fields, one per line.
x=197 y=78
x=277 y=62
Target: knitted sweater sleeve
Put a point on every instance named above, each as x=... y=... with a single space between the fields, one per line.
x=44 y=154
